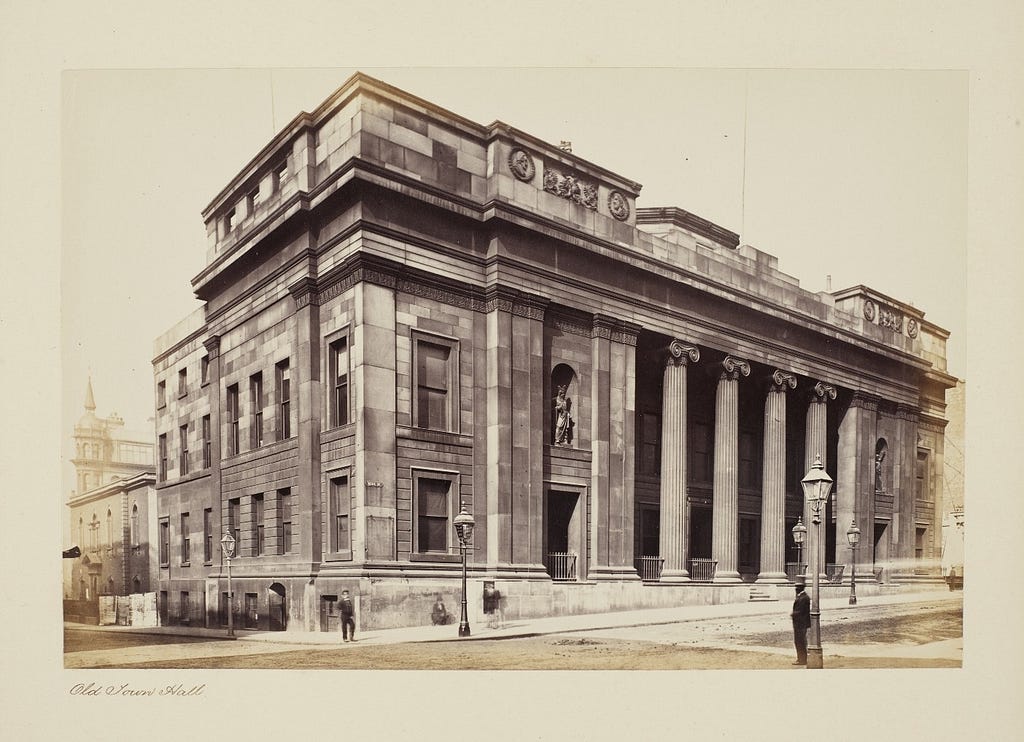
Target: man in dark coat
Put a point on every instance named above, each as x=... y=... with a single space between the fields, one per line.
x=801 y=616
x=348 y=621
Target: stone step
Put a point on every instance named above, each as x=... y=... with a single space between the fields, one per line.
x=757 y=596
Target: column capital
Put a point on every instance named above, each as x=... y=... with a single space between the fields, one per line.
x=602 y=327
x=305 y=292
x=822 y=392
x=679 y=353
x=906 y=412
x=626 y=333
x=733 y=367
x=782 y=380
x=865 y=401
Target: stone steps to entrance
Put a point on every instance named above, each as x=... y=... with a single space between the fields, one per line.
x=758 y=596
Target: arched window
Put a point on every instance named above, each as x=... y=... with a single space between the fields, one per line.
x=110 y=529
x=110 y=586
x=135 y=526
x=136 y=585
x=563 y=413
x=881 y=449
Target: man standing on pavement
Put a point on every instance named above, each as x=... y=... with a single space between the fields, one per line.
x=801 y=616
x=348 y=621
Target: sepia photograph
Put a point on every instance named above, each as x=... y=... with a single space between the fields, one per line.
x=584 y=371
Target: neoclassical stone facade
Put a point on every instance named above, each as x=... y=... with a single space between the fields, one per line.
x=406 y=312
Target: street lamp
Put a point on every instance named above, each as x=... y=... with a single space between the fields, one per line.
x=853 y=536
x=799 y=534
x=817 y=485
x=228 y=545
x=464 y=528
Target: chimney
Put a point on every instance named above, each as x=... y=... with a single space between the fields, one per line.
x=828 y=283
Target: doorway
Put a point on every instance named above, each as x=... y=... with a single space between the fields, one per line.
x=277 y=607
x=563 y=536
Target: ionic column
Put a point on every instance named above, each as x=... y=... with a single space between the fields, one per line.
x=816 y=444
x=672 y=537
x=725 y=487
x=773 y=499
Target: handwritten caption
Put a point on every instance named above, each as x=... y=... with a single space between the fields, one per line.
x=129 y=690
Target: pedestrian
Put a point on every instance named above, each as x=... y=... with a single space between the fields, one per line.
x=801 y=616
x=439 y=614
x=348 y=621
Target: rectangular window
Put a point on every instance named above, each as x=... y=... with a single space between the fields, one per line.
x=162 y=463
x=338 y=374
x=256 y=405
x=204 y=369
x=284 y=520
x=432 y=512
x=233 y=413
x=207 y=442
x=258 y=544
x=183 y=450
x=650 y=444
x=921 y=476
x=229 y=221
x=435 y=384
x=234 y=522
x=183 y=382
x=280 y=174
x=254 y=199
x=186 y=608
x=161 y=394
x=208 y=535
x=165 y=542
x=284 y=401
x=341 y=536
x=186 y=539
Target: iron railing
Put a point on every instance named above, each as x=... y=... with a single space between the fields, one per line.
x=703 y=570
x=834 y=573
x=795 y=569
x=561 y=565
x=649 y=568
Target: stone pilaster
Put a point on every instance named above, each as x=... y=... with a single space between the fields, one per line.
x=600 y=434
x=621 y=450
x=499 y=431
x=854 y=491
x=815 y=445
x=673 y=534
x=725 y=492
x=217 y=501
x=904 y=482
x=773 y=498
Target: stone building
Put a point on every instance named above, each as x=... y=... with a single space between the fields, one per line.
x=111 y=508
x=405 y=311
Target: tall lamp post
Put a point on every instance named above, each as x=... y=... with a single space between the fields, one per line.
x=853 y=536
x=228 y=545
x=464 y=528
x=817 y=485
x=799 y=534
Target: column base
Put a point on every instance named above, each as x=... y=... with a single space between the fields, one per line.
x=727 y=577
x=772 y=578
x=615 y=574
x=814 y=658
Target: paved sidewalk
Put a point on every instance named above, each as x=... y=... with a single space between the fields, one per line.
x=538 y=626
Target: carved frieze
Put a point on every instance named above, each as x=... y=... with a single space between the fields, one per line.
x=521 y=164
x=912 y=328
x=570 y=187
x=890 y=318
x=564 y=324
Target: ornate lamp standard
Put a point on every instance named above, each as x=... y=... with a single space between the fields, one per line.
x=799 y=534
x=228 y=545
x=464 y=528
x=853 y=536
x=817 y=485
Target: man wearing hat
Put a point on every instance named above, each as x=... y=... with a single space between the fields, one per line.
x=801 y=616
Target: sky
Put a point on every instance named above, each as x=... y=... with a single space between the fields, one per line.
x=855 y=175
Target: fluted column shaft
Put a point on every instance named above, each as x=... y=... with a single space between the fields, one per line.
x=725 y=487
x=816 y=444
x=773 y=499
x=673 y=528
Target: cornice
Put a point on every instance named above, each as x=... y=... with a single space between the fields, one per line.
x=691 y=222
x=931 y=424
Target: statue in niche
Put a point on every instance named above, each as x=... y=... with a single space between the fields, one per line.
x=563 y=418
x=879 y=458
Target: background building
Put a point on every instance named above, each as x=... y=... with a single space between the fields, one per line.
x=110 y=510
x=405 y=311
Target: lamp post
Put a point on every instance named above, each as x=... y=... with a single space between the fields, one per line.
x=228 y=545
x=799 y=534
x=853 y=536
x=817 y=485
x=464 y=528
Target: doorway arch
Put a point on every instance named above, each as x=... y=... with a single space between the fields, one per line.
x=277 y=607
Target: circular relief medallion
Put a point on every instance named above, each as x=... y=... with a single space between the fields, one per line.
x=912 y=328
x=521 y=165
x=618 y=205
x=869 y=311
